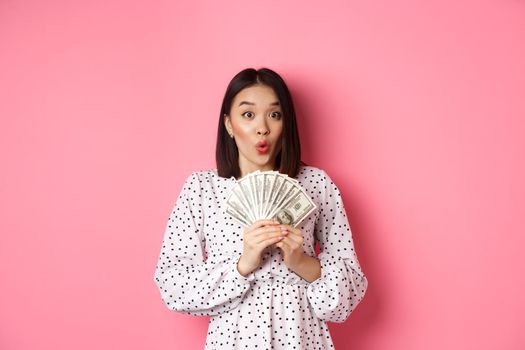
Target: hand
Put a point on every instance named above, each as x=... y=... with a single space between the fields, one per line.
x=257 y=237
x=292 y=246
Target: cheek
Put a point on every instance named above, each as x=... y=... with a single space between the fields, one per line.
x=277 y=127
x=242 y=132
x=278 y=131
x=243 y=137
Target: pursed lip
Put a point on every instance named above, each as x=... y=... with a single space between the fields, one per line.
x=262 y=143
x=262 y=146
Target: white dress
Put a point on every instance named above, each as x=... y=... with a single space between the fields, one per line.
x=272 y=307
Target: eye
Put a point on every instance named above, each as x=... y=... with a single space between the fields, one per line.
x=275 y=115
x=247 y=114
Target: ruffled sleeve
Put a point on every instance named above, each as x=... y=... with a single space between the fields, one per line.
x=186 y=281
x=342 y=284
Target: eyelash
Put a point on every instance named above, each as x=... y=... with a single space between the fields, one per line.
x=278 y=117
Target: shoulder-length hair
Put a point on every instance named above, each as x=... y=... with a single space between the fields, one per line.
x=288 y=160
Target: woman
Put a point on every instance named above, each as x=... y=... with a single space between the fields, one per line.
x=262 y=285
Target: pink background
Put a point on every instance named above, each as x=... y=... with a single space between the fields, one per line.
x=415 y=109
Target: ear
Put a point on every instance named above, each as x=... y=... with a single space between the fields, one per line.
x=227 y=123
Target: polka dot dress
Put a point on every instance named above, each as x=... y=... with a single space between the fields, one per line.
x=272 y=307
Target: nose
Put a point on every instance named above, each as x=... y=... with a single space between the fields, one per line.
x=262 y=129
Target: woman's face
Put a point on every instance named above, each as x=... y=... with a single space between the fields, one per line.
x=256 y=122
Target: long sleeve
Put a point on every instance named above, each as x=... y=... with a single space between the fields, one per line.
x=342 y=284
x=186 y=282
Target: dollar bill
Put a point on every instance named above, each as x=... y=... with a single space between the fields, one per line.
x=298 y=207
x=276 y=185
x=286 y=189
x=244 y=185
x=237 y=200
x=268 y=195
x=257 y=188
x=242 y=218
x=268 y=180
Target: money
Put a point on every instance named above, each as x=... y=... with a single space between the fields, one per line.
x=268 y=195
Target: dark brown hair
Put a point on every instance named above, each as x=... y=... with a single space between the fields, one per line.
x=288 y=160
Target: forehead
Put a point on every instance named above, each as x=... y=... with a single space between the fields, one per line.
x=259 y=94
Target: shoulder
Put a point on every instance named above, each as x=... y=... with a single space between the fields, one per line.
x=317 y=179
x=314 y=181
x=200 y=175
x=203 y=173
x=311 y=173
x=204 y=178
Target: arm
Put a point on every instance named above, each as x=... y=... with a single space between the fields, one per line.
x=309 y=268
x=186 y=283
x=342 y=284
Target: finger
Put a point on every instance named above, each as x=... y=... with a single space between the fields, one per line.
x=296 y=239
x=291 y=229
x=293 y=242
x=261 y=223
x=293 y=233
x=283 y=245
x=272 y=241
x=268 y=235
x=271 y=238
x=261 y=231
x=264 y=230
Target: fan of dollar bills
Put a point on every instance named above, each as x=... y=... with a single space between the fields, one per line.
x=268 y=195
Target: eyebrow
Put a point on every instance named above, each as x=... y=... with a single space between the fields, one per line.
x=253 y=104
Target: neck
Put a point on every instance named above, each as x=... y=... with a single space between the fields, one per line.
x=250 y=168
